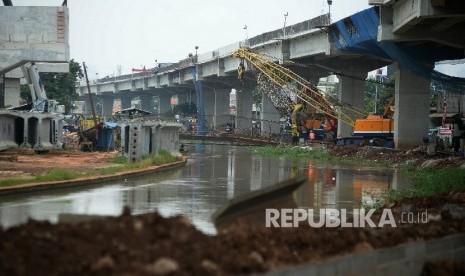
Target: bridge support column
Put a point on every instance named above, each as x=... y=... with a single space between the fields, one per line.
x=125 y=102
x=411 y=114
x=269 y=117
x=88 y=106
x=209 y=107
x=222 y=113
x=351 y=91
x=146 y=103
x=244 y=111
x=107 y=106
x=165 y=104
x=12 y=91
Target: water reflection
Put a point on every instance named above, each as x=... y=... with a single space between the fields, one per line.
x=212 y=175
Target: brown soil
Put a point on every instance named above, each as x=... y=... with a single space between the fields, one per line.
x=31 y=164
x=414 y=157
x=149 y=244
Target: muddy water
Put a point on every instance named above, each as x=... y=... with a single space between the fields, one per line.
x=213 y=174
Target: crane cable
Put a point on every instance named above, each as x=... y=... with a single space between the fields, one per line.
x=282 y=76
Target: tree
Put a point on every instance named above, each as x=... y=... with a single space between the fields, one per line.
x=383 y=92
x=59 y=86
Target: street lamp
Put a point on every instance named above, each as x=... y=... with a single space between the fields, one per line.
x=330 y=2
x=196 y=48
x=284 y=28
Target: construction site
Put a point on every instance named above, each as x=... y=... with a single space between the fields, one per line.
x=323 y=147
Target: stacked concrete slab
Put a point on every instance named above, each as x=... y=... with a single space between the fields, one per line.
x=39 y=131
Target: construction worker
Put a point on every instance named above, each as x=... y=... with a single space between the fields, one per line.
x=312 y=135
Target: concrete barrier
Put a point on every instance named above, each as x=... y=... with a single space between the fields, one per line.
x=404 y=259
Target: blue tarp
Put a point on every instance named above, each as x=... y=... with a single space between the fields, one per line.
x=358 y=34
x=106 y=140
x=110 y=125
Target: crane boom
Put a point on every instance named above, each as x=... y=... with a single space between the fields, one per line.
x=293 y=84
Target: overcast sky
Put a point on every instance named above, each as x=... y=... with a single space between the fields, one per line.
x=110 y=33
x=135 y=33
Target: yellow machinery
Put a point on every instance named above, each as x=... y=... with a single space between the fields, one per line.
x=290 y=84
x=376 y=126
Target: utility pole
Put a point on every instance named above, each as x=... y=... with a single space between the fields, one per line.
x=90 y=95
x=330 y=2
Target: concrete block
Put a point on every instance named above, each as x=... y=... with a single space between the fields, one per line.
x=404 y=259
x=33 y=34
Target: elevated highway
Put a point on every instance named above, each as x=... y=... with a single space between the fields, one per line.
x=410 y=34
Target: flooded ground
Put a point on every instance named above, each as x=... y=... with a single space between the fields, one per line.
x=212 y=175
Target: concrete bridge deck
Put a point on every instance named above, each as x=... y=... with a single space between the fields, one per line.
x=429 y=30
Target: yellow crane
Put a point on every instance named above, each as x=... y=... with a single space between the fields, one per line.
x=289 y=83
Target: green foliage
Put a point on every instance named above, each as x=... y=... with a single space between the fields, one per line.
x=433 y=100
x=312 y=153
x=164 y=157
x=25 y=93
x=427 y=182
x=52 y=175
x=57 y=174
x=15 y=181
x=385 y=93
x=119 y=159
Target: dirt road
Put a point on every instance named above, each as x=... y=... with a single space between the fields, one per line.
x=32 y=164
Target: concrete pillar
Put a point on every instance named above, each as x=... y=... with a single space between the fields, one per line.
x=146 y=103
x=12 y=92
x=169 y=139
x=184 y=98
x=134 y=145
x=125 y=102
x=107 y=106
x=269 y=117
x=244 y=111
x=411 y=113
x=192 y=96
x=43 y=135
x=155 y=139
x=57 y=133
x=25 y=142
x=222 y=113
x=7 y=132
x=145 y=136
x=165 y=103
x=209 y=107
x=88 y=106
x=351 y=91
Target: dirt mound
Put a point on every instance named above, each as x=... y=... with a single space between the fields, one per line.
x=415 y=157
x=150 y=244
